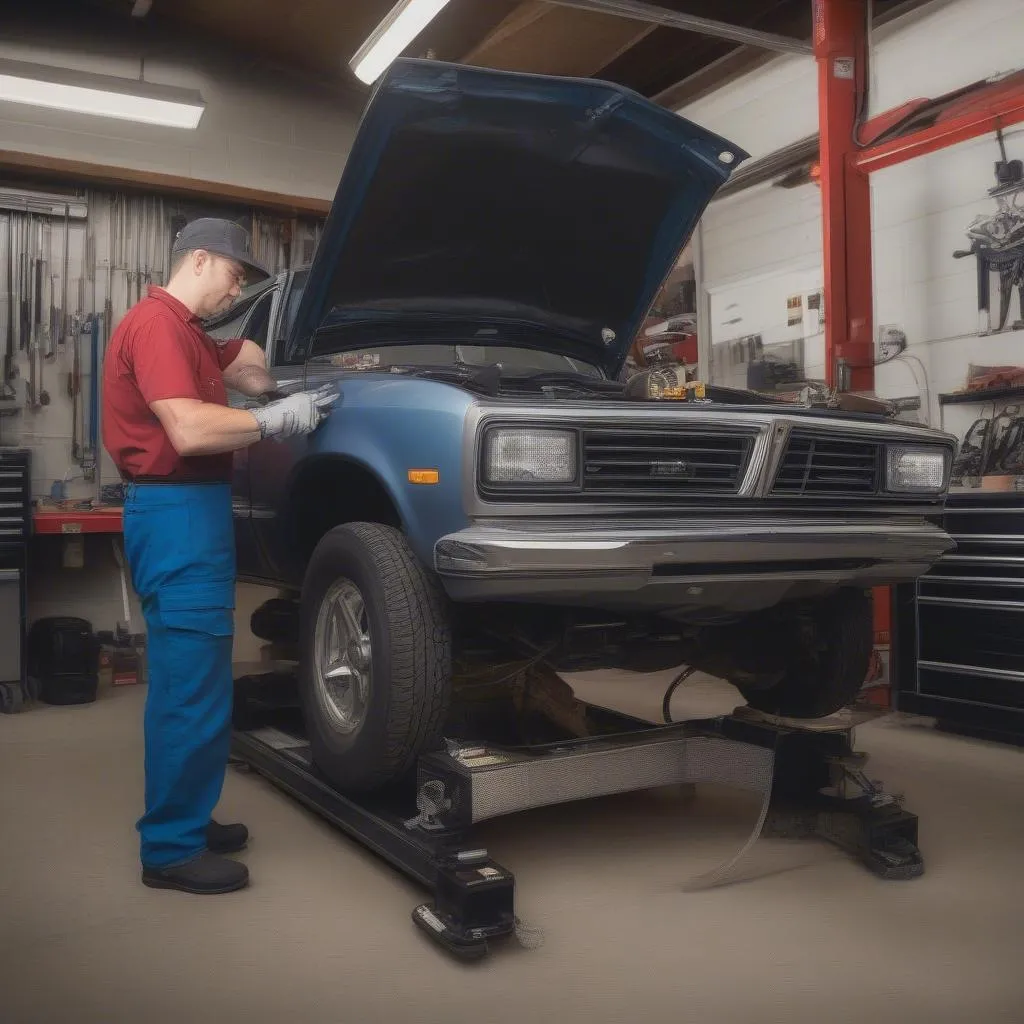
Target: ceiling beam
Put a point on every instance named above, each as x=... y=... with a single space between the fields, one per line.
x=548 y=39
x=637 y=10
x=740 y=61
x=521 y=18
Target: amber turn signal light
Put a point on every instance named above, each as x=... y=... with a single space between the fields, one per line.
x=424 y=476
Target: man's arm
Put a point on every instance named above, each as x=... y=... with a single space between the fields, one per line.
x=247 y=373
x=204 y=428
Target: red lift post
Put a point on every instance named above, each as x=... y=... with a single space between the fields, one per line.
x=850 y=149
x=840 y=48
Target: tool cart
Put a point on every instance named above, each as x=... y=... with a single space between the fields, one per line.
x=958 y=641
x=15 y=530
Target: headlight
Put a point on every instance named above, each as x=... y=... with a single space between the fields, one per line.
x=916 y=469
x=513 y=456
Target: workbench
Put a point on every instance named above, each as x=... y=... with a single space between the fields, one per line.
x=68 y=520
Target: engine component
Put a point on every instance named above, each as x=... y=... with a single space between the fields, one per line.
x=665 y=382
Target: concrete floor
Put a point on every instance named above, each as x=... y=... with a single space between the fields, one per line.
x=323 y=933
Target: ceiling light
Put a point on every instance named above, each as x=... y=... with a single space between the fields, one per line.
x=99 y=95
x=402 y=24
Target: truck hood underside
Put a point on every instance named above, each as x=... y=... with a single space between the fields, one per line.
x=561 y=203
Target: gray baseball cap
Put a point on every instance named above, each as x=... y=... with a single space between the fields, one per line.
x=223 y=237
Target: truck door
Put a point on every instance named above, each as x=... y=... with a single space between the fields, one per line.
x=270 y=462
x=252 y=321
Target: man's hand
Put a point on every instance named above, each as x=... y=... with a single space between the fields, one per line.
x=300 y=413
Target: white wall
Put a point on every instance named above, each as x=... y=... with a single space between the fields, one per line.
x=262 y=128
x=920 y=210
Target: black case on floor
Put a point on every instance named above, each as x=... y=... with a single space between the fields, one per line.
x=63 y=660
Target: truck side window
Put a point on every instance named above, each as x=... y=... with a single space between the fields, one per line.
x=258 y=325
x=294 y=298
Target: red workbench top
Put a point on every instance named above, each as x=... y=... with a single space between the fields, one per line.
x=98 y=519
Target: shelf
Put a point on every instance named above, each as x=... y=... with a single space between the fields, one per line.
x=74 y=521
x=980 y=397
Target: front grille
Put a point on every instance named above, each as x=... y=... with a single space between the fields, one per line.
x=647 y=462
x=829 y=467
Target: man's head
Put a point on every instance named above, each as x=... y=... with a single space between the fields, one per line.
x=211 y=261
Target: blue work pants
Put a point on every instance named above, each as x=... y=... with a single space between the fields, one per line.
x=179 y=542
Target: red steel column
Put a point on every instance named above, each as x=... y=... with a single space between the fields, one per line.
x=840 y=48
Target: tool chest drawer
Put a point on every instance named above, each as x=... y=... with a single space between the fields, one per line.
x=959 y=631
x=15 y=494
x=974 y=647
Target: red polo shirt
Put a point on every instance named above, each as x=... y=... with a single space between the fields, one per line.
x=159 y=350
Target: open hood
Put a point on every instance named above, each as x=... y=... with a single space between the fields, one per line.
x=473 y=196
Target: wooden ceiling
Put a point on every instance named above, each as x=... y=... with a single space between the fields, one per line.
x=320 y=36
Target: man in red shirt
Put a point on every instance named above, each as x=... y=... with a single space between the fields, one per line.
x=170 y=431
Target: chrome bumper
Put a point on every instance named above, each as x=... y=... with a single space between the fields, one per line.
x=683 y=561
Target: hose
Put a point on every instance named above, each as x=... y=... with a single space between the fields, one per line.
x=666 y=710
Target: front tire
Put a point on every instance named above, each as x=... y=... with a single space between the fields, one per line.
x=827 y=664
x=375 y=669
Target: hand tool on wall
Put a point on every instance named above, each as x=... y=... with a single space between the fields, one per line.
x=163 y=245
x=28 y=339
x=24 y=313
x=42 y=288
x=74 y=388
x=121 y=233
x=37 y=314
x=52 y=278
x=64 y=280
x=75 y=377
x=147 y=245
x=90 y=267
x=8 y=391
x=108 y=303
x=125 y=255
x=54 y=321
x=138 y=250
x=90 y=455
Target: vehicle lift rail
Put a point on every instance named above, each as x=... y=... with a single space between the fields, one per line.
x=810 y=778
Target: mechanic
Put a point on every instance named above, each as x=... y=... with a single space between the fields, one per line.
x=168 y=428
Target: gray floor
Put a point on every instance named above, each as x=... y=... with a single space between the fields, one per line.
x=323 y=933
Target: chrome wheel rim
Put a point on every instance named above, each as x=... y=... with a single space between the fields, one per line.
x=343 y=656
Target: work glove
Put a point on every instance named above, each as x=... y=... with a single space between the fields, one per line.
x=300 y=413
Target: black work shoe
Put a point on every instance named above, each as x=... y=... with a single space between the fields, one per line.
x=226 y=838
x=206 y=874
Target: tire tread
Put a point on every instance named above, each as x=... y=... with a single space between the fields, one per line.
x=420 y=652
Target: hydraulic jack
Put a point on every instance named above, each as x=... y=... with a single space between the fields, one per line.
x=809 y=777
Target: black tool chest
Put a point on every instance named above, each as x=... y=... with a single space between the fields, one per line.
x=958 y=632
x=15 y=531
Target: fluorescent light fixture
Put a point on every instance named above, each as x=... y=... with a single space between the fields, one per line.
x=101 y=95
x=402 y=24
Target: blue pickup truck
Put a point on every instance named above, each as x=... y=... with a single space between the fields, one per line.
x=489 y=494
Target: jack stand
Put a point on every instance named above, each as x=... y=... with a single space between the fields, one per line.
x=819 y=789
x=807 y=772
